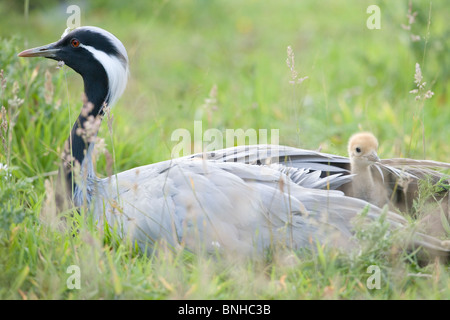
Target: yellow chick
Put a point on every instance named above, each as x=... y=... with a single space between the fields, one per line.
x=362 y=150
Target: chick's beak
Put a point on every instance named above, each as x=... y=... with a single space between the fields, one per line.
x=47 y=51
x=373 y=157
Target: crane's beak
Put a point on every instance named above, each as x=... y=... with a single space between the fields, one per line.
x=47 y=51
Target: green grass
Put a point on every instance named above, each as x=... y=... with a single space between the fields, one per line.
x=358 y=79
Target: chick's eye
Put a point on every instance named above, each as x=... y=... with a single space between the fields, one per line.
x=358 y=150
x=75 y=43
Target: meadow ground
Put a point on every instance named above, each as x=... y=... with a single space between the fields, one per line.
x=222 y=63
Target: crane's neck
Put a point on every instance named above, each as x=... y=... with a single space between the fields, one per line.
x=79 y=146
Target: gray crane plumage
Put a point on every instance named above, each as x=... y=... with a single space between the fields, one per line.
x=227 y=205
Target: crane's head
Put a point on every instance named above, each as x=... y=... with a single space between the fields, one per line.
x=96 y=54
x=362 y=149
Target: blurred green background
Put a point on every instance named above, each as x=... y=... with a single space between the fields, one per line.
x=358 y=78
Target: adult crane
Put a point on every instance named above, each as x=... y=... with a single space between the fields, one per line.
x=204 y=203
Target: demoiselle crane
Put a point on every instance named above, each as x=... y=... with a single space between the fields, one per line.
x=225 y=200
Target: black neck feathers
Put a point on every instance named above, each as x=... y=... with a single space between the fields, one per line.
x=85 y=128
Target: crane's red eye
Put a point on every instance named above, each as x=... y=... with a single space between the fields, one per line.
x=75 y=43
